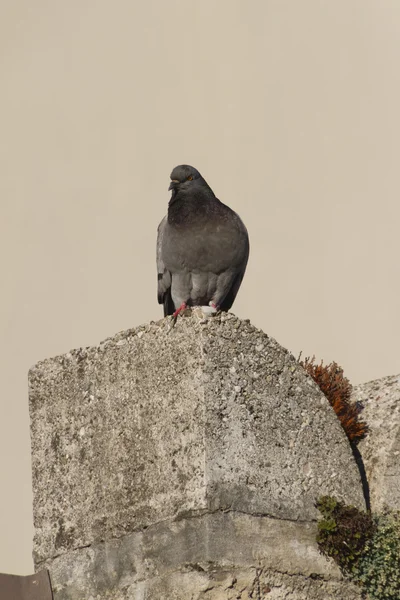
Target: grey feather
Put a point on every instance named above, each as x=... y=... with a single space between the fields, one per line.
x=164 y=278
x=202 y=246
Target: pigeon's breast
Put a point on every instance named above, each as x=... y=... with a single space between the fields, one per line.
x=211 y=247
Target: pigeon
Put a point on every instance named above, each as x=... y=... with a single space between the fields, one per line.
x=202 y=247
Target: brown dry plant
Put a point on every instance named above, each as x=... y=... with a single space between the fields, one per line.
x=337 y=389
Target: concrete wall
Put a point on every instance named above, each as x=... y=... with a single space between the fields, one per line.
x=185 y=463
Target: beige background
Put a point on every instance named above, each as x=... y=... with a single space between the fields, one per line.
x=290 y=109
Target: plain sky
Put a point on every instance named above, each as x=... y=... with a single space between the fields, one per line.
x=290 y=110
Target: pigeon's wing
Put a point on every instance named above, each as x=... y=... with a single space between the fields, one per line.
x=164 y=277
x=229 y=283
x=233 y=290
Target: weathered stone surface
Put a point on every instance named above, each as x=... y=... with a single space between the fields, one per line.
x=211 y=556
x=164 y=458
x=249 y=584
x=381 y=448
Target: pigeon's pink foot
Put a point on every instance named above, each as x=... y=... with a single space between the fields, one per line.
x=178 y=311
x=213 y=305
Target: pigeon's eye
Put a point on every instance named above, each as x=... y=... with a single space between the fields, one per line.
x=190 y=177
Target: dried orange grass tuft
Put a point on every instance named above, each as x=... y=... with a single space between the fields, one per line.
x=337 y=389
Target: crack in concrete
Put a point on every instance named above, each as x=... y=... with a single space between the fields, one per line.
x=184 y=515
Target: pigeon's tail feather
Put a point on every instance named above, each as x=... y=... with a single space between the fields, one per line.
x=169 y=307
x=231 y=295
x=164 y=278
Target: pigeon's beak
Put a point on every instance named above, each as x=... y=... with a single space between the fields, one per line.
x=173 y=184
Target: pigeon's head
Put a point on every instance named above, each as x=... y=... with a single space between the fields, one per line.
x=183 y=178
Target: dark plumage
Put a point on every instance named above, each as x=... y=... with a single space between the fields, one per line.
x=202 y=247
